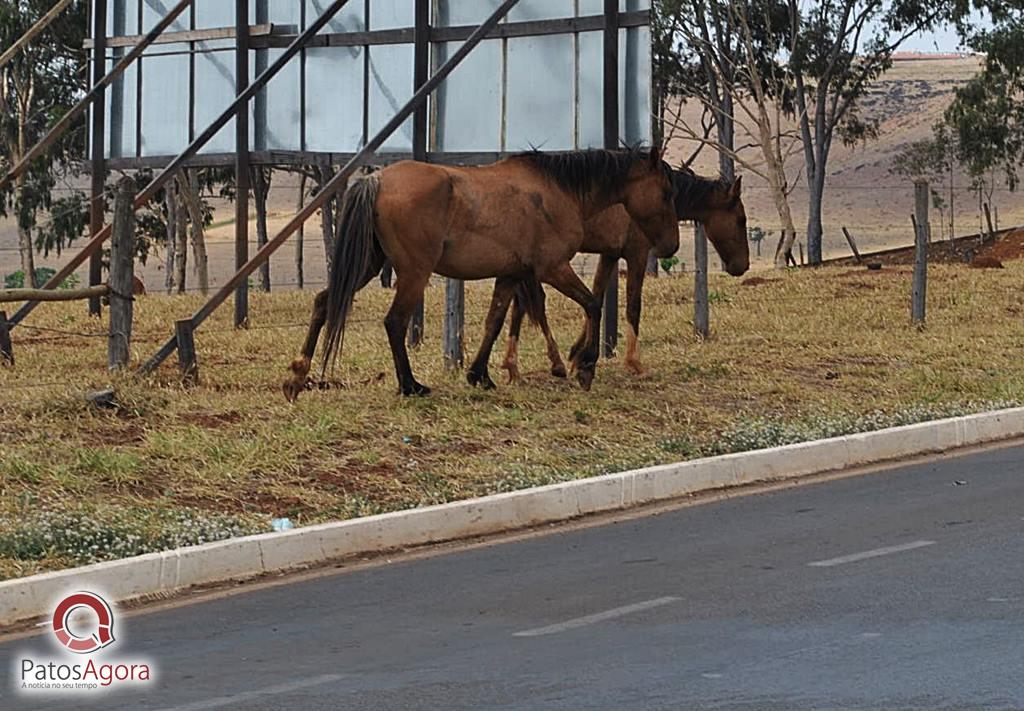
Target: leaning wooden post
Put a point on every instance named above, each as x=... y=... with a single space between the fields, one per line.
x=122 y=276
x=6 y=347
x=454 y=323
x=853 y=245
x=187 y=363
x=701 y=314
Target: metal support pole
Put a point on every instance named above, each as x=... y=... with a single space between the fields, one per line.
x=421 y=72
x=610 y=312
x=242 y=161
x=99 y=129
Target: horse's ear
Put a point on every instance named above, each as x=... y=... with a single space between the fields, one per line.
x=737 y=188
x=657 y=156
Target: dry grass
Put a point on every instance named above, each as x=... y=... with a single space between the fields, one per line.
x=805 y=345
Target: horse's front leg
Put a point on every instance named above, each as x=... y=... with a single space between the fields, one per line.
x=584 y=360
x=478 y=372
x=606 y=267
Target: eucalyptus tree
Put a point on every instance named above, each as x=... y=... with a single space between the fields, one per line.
x=37 y=87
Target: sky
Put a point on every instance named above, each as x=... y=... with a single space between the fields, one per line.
x=941 y=40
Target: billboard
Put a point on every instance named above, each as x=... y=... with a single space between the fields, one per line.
x=537 y=84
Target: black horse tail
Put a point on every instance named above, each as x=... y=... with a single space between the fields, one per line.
x=356 y=252
x=529 y=298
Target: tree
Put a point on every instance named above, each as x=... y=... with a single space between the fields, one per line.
x=838 y=48
x=987 y=114
x=36 y=88
x=261 y=179
x=934 y=159
x=725 y=56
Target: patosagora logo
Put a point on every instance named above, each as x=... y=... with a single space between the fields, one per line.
x=83 y=629
x=104 y=631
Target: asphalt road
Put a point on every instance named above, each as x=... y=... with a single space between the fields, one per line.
x=902 y=589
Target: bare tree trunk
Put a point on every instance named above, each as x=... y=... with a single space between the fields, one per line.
x=181 y=240
x=261 y=178
x=171 y=202
x=28 y=260
x=190 y=193
x=784 y=252
x=327 y=215
x=300 y=237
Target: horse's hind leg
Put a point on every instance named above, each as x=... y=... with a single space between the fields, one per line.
x=300 y=366
x=408 y=294
x=636 y=269
x=515 y=327
x=557 y=366
x=566 y=281
x=511 y=363
x=477 y=373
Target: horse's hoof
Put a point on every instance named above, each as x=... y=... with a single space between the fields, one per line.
x=585 y=377
x=416 y=389
x=634 y=367
x=513 y=372
x=558 y=370
x=291 y=390
x=482 y=380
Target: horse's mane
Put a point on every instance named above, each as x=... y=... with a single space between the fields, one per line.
x=694 y=191
x=580 y=172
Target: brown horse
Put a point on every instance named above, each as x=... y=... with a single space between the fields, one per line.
x=715 y=204
x=519 y=218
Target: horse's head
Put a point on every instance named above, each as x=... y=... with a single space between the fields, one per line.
x=719 y=207
x=648 y=197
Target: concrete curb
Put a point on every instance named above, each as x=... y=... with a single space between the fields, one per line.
x=240 y=558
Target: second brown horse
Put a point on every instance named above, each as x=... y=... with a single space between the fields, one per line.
x=716 y=204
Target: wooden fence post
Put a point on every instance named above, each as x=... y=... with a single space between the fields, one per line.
x=416 y=327
x=6 y=348
x=652 y=265
x=187 y=363
x=454 y=323
x=701 y=314
x=921 y=239
x=122 y=276
x=918 y=298
x=610 y=316
x=922 y=198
